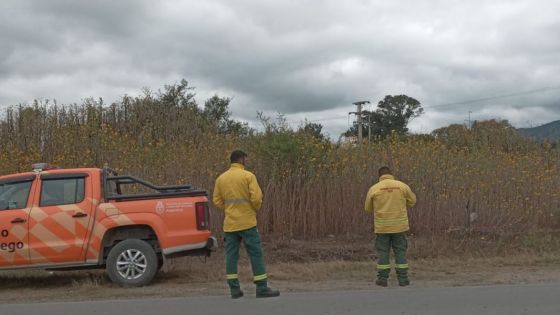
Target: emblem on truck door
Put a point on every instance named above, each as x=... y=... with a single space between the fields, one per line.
x=160 y=208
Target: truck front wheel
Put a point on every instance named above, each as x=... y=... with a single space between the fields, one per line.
x=132 y=263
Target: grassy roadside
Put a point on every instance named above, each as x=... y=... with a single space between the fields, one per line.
x=298 y=267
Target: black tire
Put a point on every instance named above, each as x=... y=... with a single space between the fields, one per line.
x=132 y=272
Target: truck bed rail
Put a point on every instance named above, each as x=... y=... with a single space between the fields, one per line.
x=169 y=191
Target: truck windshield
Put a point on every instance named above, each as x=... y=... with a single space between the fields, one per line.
x=14 y=195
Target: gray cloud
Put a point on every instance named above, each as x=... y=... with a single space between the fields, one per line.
x=302 y=58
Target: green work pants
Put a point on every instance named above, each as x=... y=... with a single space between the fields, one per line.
x=398 y=242
x=252 y=242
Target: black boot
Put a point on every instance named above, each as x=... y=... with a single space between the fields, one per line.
x=402 y=276
x=268 y=292
x=264 y=291
x=382 y=276
x=235 y=289
x=382 y=282
x=236 y=294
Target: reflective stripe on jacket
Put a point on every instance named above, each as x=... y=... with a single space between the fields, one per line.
x=389 y=200
x=237 y=192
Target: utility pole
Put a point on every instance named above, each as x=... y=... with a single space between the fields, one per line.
x=359 y=117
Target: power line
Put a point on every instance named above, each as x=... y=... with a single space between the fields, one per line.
x=326 y=119
x=472 y=101
x=316 y=120
x=548 y=88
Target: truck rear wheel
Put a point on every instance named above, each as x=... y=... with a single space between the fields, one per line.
x=132 y=263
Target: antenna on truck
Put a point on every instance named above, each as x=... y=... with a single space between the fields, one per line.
x=39 y=167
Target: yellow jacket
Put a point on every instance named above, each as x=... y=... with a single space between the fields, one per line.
x=389 y=200
x=238 y=193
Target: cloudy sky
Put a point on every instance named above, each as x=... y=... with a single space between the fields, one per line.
x=305 y=59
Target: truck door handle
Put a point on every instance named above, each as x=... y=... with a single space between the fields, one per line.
x=18 y=220
x=79 y=215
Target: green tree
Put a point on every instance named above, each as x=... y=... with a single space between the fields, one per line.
x=312 y=129
x=216 y=110
x=176 y=95
x=454 y=135
x=393 y=114
x=494 y=135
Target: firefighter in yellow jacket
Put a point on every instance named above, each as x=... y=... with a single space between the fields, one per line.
x=238 y=193
x=389 y=200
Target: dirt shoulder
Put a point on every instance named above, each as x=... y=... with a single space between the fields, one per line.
x=302 y=267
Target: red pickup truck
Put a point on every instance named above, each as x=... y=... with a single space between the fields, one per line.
x=65 y=219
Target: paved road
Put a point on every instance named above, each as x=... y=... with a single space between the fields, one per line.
x=507 y=299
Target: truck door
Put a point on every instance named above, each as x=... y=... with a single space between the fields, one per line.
x=59 y=219
x=15 y=196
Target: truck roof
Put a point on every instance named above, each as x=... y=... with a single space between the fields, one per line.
x=50 y=171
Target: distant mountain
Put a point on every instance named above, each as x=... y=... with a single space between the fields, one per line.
x=550 y=131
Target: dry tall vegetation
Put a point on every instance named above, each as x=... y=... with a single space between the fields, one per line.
x=485 y=179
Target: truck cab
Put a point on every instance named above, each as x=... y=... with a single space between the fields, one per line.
x=62 y=219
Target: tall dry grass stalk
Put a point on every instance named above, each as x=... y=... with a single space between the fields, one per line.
x=484 y=179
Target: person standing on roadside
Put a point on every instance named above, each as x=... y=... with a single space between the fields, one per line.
x=237 y=192
x=389 y=201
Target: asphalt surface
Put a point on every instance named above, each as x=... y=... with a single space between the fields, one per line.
x=505 y=299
